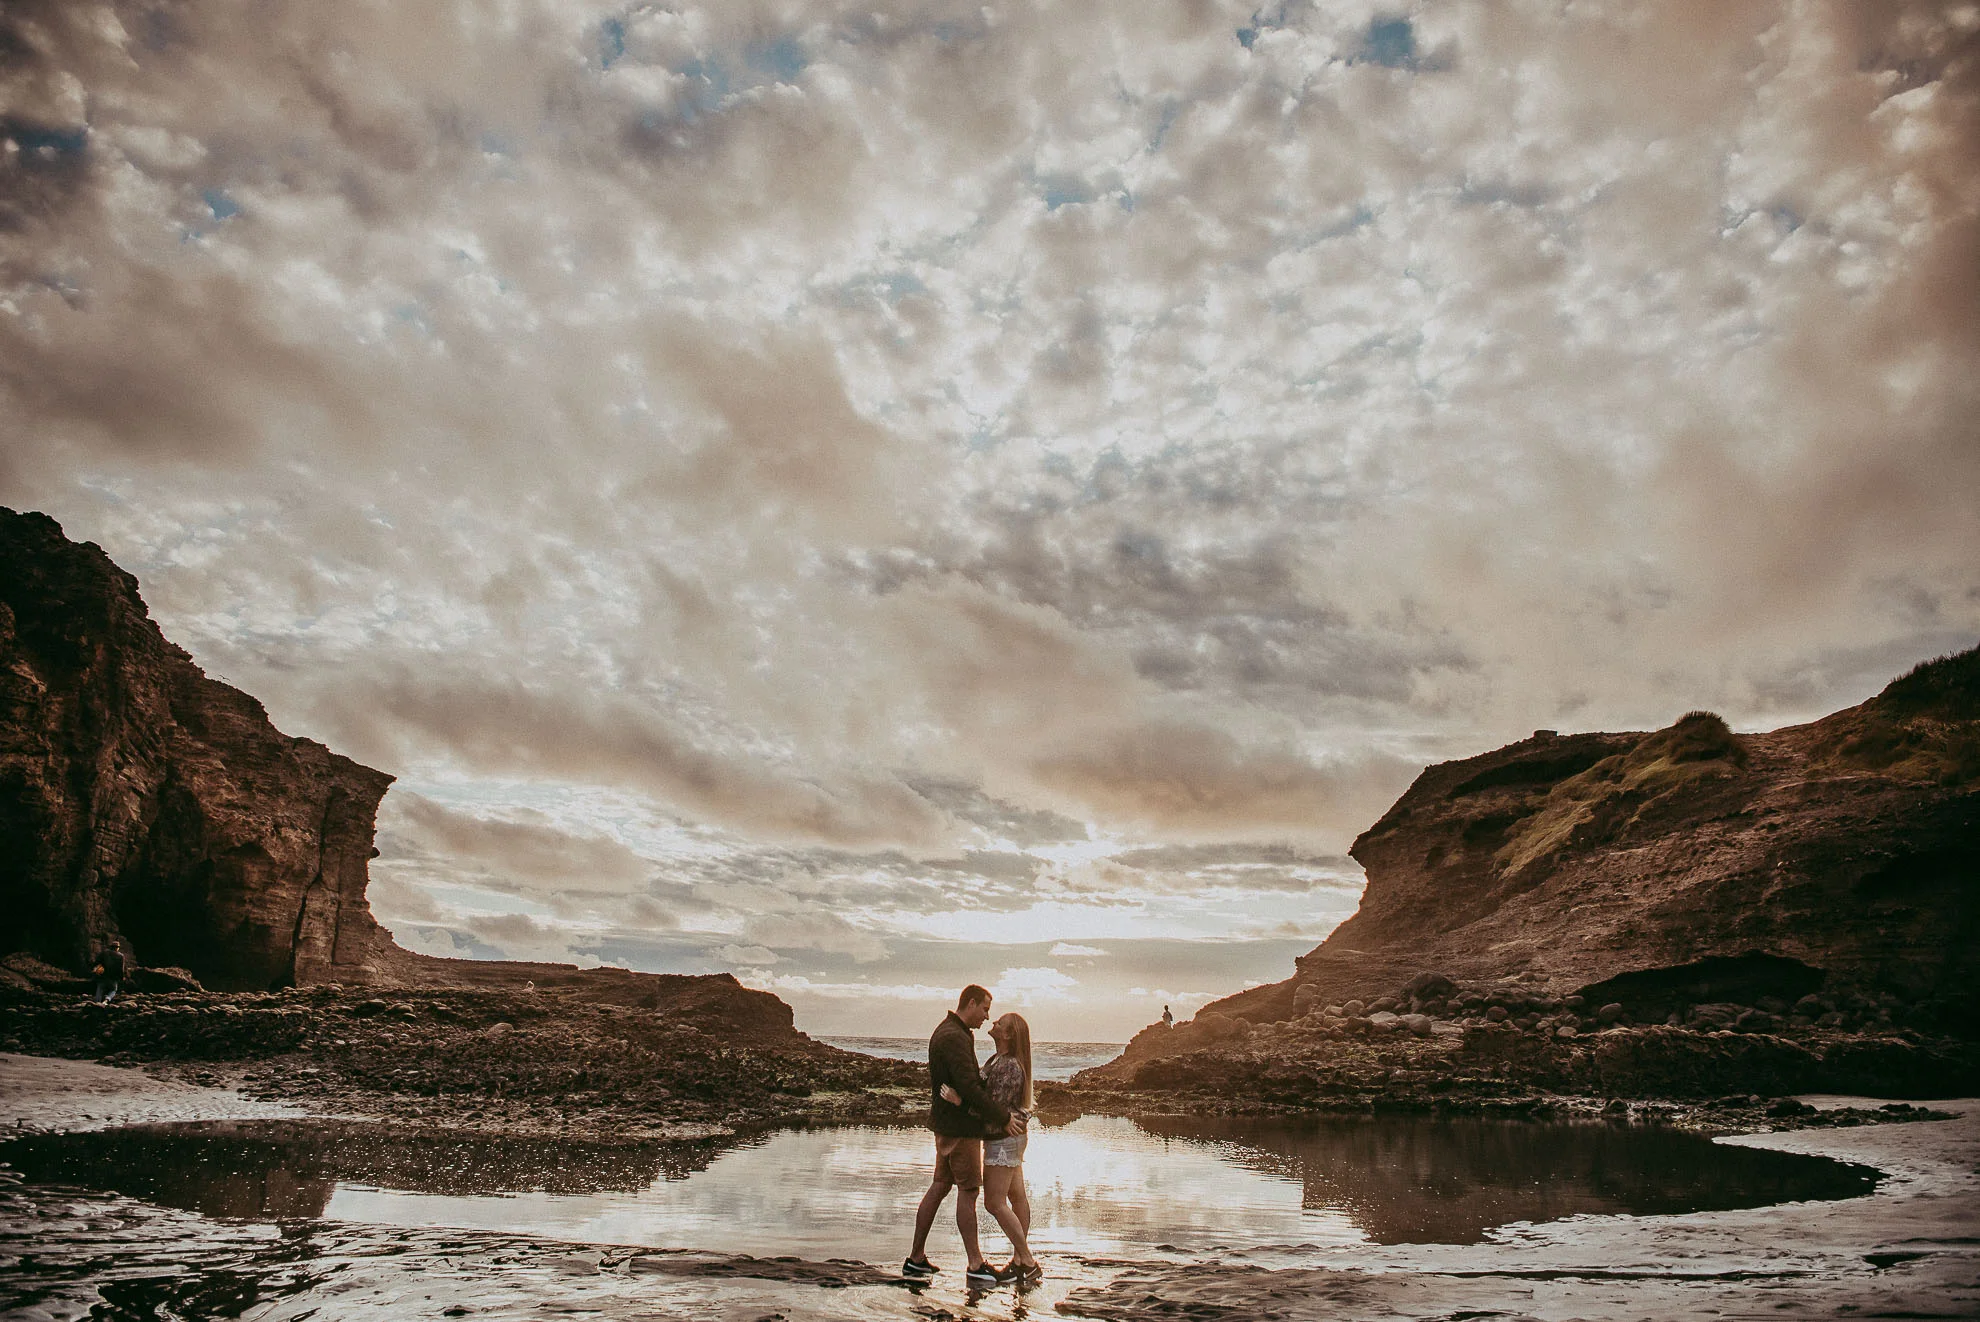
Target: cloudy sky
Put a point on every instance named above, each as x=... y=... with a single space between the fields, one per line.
x=874 y=496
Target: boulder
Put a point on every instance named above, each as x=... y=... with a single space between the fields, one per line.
x=1212 y=1027
x=1715 y=1015
x=42 y=975
x=1428 y=986
x=163 y=980
x=1419 y=1024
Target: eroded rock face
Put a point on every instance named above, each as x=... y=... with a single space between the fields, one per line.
x=140 y=798
x=1849 y=847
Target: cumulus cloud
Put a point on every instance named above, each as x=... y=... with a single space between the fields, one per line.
x=1025 y=987
x=881 y=444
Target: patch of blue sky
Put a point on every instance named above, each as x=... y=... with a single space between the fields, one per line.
x=1171 y=111
x=892 y=287
x=1059 y=190
x=782 y=59
x=611 y=42
x=1261 y=21
x=47 y=143
x=1497 y=193
x=1355 y=221
x=948 y=32
x=412 y=314
x=1390 y=42
x=1786 y=217
x=984 y=436
x=220 y=204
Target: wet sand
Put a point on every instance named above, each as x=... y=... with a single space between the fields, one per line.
x=1911 y=1249
x=46 y=1094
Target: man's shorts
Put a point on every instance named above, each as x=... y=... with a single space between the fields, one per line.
x=960 y=1160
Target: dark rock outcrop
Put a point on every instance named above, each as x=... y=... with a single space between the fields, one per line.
x=1846 y=852
x=140 y=798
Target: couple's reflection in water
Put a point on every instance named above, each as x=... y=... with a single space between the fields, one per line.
x=1394 y=1180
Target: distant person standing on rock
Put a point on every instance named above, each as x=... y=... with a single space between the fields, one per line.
x=959 y=1128
x=1168 y=1020
x=108 y=966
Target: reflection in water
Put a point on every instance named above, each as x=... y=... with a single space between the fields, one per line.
x=274 y=1170
x=1100 y=1185
x=1422 y=1180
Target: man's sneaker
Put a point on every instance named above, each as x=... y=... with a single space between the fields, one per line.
x=918 y=1267
x=1026 y=1277
x=983 y=1275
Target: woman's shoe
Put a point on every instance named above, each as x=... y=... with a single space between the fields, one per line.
x=983 y=1276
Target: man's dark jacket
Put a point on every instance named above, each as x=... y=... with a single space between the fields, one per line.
x=952 y=1060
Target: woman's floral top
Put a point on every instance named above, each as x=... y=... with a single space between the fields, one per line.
x=1004 y=1077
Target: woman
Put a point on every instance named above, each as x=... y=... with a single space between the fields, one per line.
x=1008 y=1078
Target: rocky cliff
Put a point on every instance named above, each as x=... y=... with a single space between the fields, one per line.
x=140 y=798
x=1683 y=866
x=143 y=800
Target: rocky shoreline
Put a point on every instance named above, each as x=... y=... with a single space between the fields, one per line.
x=549 y=1064
x=518 y=1062
x=1432 y=1046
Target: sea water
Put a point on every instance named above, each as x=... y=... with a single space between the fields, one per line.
x=1049 y=1060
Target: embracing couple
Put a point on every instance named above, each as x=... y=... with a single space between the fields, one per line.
x=979 y=1118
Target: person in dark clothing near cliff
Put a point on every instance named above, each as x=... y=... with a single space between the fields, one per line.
x=108 y=966
x=959 y=1133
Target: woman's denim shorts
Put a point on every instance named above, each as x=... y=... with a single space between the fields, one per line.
x=1005 y=1151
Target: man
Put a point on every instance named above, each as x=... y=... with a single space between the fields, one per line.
x=108 y=966
x=959 y=1131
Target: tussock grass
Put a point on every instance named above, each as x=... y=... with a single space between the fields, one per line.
x=1924 y=726
x=1604 y=799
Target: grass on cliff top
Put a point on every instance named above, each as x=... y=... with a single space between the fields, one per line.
x=1924 y=726
x=1947 y=687
x=1595 y=805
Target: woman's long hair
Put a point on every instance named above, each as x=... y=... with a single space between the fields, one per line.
x=1018 y=1034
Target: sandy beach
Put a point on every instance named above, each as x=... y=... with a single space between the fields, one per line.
x=1911 y=1249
